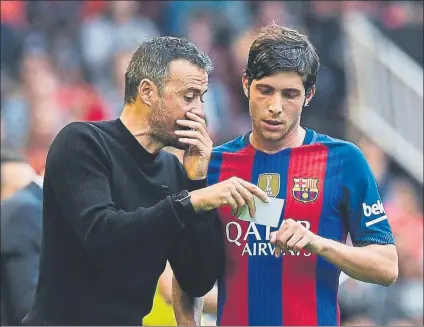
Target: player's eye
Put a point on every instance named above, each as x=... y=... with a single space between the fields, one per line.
x=291 y=94
x=266 y=90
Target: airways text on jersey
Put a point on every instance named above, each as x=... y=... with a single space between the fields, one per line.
x=259 y=238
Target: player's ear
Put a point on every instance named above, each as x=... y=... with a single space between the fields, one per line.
x=147 y=90
x=309 y=95
x=245 y=84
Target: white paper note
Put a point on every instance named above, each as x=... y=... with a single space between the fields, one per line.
x=267 y=214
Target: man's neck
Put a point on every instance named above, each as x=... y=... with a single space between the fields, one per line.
x=294 y=138
x=135 y=119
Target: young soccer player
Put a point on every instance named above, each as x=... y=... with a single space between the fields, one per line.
x=290 y=275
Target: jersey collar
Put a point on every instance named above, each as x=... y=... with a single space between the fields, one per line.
x=310 y=137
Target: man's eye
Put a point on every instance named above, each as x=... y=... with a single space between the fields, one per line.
x=265 y=91
x=188 y=98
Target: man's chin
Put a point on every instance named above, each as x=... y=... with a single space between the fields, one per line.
x=179 y=145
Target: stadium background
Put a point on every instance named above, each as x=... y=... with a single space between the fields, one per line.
x=63 y=61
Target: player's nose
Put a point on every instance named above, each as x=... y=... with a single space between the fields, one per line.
x=276 y=104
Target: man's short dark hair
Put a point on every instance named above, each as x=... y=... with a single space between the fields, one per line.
x=281 y=49
x=152 y=58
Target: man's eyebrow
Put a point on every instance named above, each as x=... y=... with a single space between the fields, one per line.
x=195 y=90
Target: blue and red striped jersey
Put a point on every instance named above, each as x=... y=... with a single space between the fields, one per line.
x=328 y=187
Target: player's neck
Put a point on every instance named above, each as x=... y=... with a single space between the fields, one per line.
x=134 y=117
x=292 y=139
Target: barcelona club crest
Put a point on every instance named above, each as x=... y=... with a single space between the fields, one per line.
x=270 y=184
x=305 y=189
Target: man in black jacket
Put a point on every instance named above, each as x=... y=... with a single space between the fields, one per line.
x=117 y=207
x=20 y=236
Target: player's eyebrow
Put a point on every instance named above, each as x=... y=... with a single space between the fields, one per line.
x=261 y=85
x=290 y=89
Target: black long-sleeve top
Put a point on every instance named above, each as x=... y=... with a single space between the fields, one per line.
x=110 y=225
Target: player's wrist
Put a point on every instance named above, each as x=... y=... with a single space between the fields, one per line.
x=322 y=245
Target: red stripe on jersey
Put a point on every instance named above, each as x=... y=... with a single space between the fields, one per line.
x=299 y=303
x=235 y=311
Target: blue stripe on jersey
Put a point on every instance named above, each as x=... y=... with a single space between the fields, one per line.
x=265 y=272
x=332 y=227
x=214 y=168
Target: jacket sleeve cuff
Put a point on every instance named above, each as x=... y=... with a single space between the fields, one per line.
x=193 y=185
x=177 y=212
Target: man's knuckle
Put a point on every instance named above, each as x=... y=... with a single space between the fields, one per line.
x=225 y=196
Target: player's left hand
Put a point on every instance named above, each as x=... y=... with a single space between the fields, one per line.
x=295 y=237
x=196 y=157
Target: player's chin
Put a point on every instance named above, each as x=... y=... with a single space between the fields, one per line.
x=272 y=136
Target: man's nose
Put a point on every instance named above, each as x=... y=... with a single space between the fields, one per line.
x=198 y=110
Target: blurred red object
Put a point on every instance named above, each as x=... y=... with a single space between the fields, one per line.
x=407 y=230
x=92 y=8
x=394 y=17
x=83 y=102
x=36 y=157
x=13 y=13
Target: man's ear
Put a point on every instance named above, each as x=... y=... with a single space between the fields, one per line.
x=245 y=84
x=146 y=90
x=309 y=96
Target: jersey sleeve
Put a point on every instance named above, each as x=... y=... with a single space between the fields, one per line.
x=365 y=216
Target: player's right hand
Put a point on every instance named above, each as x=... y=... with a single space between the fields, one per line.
x=234 y=192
